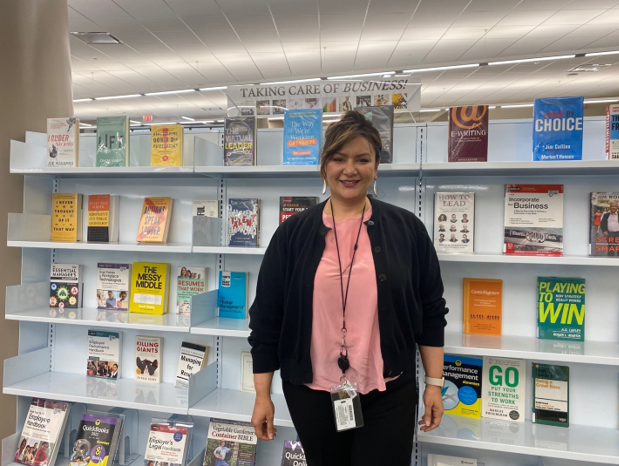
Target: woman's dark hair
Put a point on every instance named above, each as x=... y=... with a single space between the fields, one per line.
x=352 y=125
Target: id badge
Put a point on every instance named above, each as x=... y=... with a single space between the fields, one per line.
x=346 y=406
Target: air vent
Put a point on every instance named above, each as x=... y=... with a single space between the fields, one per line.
x=587 y=67
x=96 y=37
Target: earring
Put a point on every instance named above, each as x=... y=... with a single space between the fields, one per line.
x=374 y=187
x=324 y=186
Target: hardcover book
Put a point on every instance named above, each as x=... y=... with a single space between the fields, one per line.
x=155 y=220
x=166 y=145
x=468 y=134
x=463 y=385
x=67 y=217
x=454 y=222
x=381 y=117
x=66 y=286
x=533 y=219
x=40 y=437
x=482 y=306
x=232 y=295
x=247 y=373
x=302 y=135
x=190 y=281
x=293 y=454
x=240 y=141
x=504 y=390
x=113 y=286
x=244 y=222
x=63 y=142
x=443 y=460
x=561 y=308
x=97 y=439
x=192 y=359
x=551 y=395
x=148 y=358
x=290 y=205
x=150 y=284
x=230 y=442
x=113 y=141
x=206 y=223
x=103 y=210
x=612 y=132
x=104 y=354
x=167 y=444
x=557 y=128
x=604 y=224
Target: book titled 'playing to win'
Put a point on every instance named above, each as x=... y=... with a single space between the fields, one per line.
x=561 y=308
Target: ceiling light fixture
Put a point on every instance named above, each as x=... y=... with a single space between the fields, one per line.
x=135 y=122
x=220 y=88
x=96 y=37
x=110 y=97
x=423 y=110
x=87 y=125
x=605 y=101
x=292 y=82
x=187 y=118
x=529 y=60
x=492 y=106
x=516 y=106
x=182 y=91
x=383 y=73
x=83 y=100
x=160 y=123
x=443 y=68
x=597 y=54
x=276 y=118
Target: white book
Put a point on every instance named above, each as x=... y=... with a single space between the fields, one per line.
x=113 y=286
x=247 y=373
x=206 y=223
x=192 y=358
x=504 y=389
x=205 y=208
x=443 y=460
x=148 y=358
x=454 y=222
x=63 y=138
x=104 y=354
x=167 y=444
x=190 y=281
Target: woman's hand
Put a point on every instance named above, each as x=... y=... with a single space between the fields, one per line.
x=262 y=418
x=433 y=402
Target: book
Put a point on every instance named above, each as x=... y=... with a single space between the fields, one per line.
x=41 y=435
x=454 y=222
x=302 y=135
x=97 y=439
x=604 y=232
x=443 y=460
x=113 y=286
x=557 y=128
x=166 y=145
x=206 y=223
x=612 y=132
x=240 y=141
x=190 y=281
x=150 y=287
x=463 y=385
x=482 y=306
x=63 y=142
x=167 y=444
x=230 y=442
x=148 y=358
x=104 y=354
x=293 y=454
x=290 y=205
x=67 y=216
x=551 y=394
x=244 y=222
x=232 y=295
x=103 y=210
x=381 y=117
x=561 y=308
x=112 y=142
x=247 y=373
x=468 y=134
x=191 y=360
x=155 y=220
x=504 y=383
x=533 y=219
x=66 y=286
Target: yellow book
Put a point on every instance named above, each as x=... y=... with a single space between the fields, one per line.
x=166 y=145
x=155 y=220
x=67 y=217
x=149 y=290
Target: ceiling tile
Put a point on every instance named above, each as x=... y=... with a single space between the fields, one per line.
x=479 y=18
x=293 y=21
x=381 y=34
x=341 y=21
x=301 y=47
x=569 y=43
x=573 y=17
x=252 y=22
x=340 y=35
x=331 y=47
x=193 y=7
x=262 y=35
x=146 y=7
x=218 y=37
x=162 y=24
x=597 y=4
x=526 y=18
x=225 y=47
x=492 y=5
x=417 y=33
x=463 y=33
x=551 y=31
x=341 y=7
x=508 y=32
x=299 y=35
x=262 y=47
x=609 y=17
x=177 y=37
x=384 y=20
x=486 y=49
x=386 y=46
x=97 y=8
x=447 y=50
x=293 y=7
x=207 y=23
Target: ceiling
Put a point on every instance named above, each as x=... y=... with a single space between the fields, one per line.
x=180 y=44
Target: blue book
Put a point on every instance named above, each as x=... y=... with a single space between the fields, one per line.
x=232 y=295
x=557 y=128
x=302 y=133
x=243 y=222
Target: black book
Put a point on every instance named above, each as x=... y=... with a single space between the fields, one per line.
x=240 y=141
x=290 y=205
x=382 y=119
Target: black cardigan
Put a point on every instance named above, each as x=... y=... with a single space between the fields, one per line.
x=411 y=308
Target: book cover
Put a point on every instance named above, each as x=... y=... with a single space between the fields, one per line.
x=381 y=117
x=551 y=395
x=206 y=223
x=232 y=295
x=97 y=440
x=302 y=135
x=612 y=132
x=293 y=454
x=205 y=208
x=454 y=222
x=150 y=284
x=290 y=205
x=482 y=306
x=113 y=141
x=463 y=385
x=113 y=286
x=533 y=219
x=40 y=437
x=166 y=145
x=66 y=286
x=443 y=460
x=504 y=389
x=104 y=354
x=190 y=281
x=191 y=359
x=244 y=222
x=148 y=358
x=103 y=210
x=468 y=134
x=67 y=217
x=561 y=308
x=240 y=141
x=247 y=373
x=230 y=442
x=155 y=220
x=604 y=224
x=557 y=128
x=167 y=445
x=63 y=142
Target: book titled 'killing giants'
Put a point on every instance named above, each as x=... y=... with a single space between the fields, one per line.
x=148 y=358
x=468 y=134
x=551 y=395
x=66 y=286
x=557 y=128
x=113 y=141
x=240 y=141
x=561 y=308
x=63 y=142
x=302 y=134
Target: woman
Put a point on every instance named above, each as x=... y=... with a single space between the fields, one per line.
x=349 y=288
x=20 y=451
x=41 y=459
x=121 y=303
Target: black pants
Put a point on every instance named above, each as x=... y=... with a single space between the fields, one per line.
x=387 y=434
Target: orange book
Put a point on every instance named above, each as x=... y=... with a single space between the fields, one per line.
x=482 y=306
x=155 y=220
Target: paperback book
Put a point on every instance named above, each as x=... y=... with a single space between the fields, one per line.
x=192 y=358
x=463 y=385
x=504 y=390
x=382 y=118
x=244 y=222
x=482 y=306
x=66 y=286
x=557 y=128
x=561 y=308
x=150 y=285
x=240 y=141
x=97 y=439
x=104 y=354
x=113 y=286
x=113 y=141
x=604 y=224
x=230 y=442
x=148 y=358
x=167 y=444
x=612 y=132
x=232 y=295
x=247 y=373
x=63 y=142
x=302 y=135
x=190 y=281
x=551 y=395
x=103 y=210
x=468 y=134
x=155 y=220
x=290 y=205
x=454 y=222
x=67 y=217
x=166 y=145
x=293 y=454
x=443 y=460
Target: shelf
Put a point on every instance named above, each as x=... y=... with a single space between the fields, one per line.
x=109 y=172
x=168 y=247
x=228 y=250
x=516 y=259
x=223 y=327
x=235 y=405
x=260 y=171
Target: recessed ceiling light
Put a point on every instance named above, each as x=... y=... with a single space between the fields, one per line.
x=96 y=37
x=443 y=68
x=529 y=60
x=110 y=97
x=187 y=118
x=423 y=110
x=383 y=74
x=182 y=91
x=220 y=88
x=597 y=54
x=517 y=106
x=604 y=101
x=291 y=82
x=587 y=67
x=135 y=122
x=83 y=100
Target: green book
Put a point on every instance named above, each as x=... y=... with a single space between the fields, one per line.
x=551 y=395
x=561 y=308
x=113 y=141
